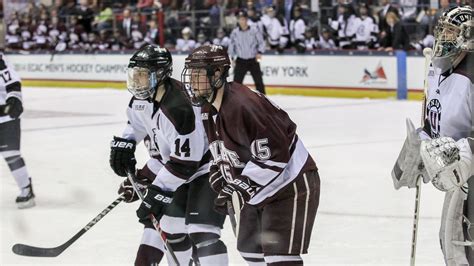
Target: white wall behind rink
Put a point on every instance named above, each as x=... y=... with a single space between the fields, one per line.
x=308 y=71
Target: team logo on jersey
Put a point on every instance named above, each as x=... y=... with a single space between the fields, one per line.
x=376 y=76
x=434 y=117
x=139 y=107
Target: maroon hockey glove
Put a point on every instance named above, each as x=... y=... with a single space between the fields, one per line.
x=216 y=180
x=13 y=107
x=122 y=156
x=129 y=194
x=155 y=202
x=244 y=187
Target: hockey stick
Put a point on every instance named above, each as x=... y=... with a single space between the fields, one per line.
x=26 y=250
x=427 y=54
x=156 y=224
x=233 y=222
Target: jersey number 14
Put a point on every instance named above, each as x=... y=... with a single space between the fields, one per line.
x=179 y=149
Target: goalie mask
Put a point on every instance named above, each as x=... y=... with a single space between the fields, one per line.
x=147 y=69
x=205 y=71
x=454 y=35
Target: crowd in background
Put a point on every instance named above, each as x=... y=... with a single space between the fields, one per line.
x=98 y=25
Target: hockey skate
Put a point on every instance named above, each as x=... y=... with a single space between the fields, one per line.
x=26 y=198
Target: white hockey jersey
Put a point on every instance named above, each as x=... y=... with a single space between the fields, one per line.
x=10 y=85
x=449 y=105
x=175 y=130
x=366 y=29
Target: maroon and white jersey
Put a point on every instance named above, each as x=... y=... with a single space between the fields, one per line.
x=253 y=137
x=176 y=138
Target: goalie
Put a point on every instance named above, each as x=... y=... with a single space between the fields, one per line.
x=441 y=151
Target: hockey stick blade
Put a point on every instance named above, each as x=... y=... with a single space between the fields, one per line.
x=31 y=251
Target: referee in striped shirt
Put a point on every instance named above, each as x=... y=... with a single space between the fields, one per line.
x=246 y=48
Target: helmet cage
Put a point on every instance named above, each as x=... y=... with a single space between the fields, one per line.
x=453 y=36
x=201 y=86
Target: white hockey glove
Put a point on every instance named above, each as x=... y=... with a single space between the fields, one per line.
x=447 y=162
x=409 y=165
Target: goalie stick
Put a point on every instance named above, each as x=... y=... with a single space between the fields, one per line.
x=416 y=216
x=131 y=178
x=27 y=250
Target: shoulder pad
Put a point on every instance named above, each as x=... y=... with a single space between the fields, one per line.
x=177 y=108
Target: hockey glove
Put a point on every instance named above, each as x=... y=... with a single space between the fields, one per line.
x=126 y=188
x=13 y=107
x=122 y=156
x=216 y=180
x=155 y=202
x=447 y=162
x=242 y=185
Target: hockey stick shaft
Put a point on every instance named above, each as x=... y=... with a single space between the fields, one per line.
x=233 y=222
x=26 y=250
x=156 y=224
x=427 y=54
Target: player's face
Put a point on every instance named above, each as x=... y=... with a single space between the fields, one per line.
x=199 y=81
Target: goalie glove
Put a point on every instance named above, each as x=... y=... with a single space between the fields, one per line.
x=447 y=162
x=409 y=165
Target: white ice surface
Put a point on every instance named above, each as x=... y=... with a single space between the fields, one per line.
x=362 y=219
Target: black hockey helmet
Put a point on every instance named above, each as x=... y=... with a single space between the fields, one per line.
x=147 y=69
x=205 y=61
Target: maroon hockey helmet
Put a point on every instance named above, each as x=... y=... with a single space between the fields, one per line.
x=199 y=78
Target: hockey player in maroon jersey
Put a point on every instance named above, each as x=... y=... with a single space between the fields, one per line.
x=261 y=159
x=178 y=167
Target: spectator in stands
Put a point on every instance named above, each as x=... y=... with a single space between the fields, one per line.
x=85 y=15
x=426 y=41
x=345 y=26
x=254 y=19
x=444 y=5
x=186 y=43
x=13 y=37
x=215 y=13
x=297 y=30
x=309 y=40
x=201 y=40
x=152 y=35
x=118 y=42
x=326 y=40
x=137 y=23
x=103 y=20
x=276 y=29
x=386 y=7
x=367 y=30
x=126 y=23
x=221 y=39
x=40 y=37
x=103 y=42
x=395 y=36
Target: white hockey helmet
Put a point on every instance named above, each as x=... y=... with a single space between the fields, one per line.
x=454 y=36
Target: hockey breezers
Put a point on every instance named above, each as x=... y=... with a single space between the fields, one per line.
x=131 y=178
x=26 y=250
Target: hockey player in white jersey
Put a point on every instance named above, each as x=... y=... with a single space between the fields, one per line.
x=178 y=167
x=445 y=144
x=11 y=108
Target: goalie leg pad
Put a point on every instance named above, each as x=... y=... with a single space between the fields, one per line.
x=451 y=231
